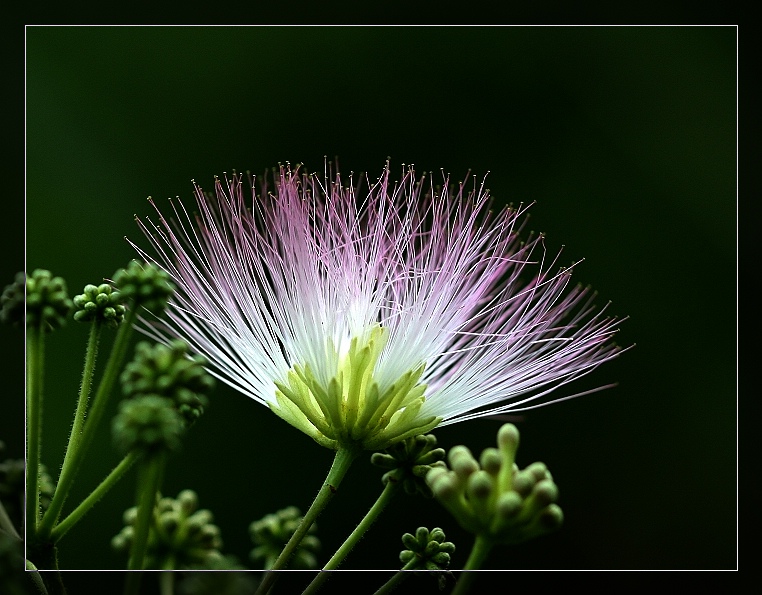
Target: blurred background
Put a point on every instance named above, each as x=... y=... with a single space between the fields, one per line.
x=623 y=137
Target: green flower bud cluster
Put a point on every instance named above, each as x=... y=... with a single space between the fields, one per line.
x=167 y=371
x=426 y=550
x=409 y=461
x=99 y=303
x=146 y=285
x=47 y=301
x=180 y=536
x=149 y=423
x=272 y=532
x=492 y=498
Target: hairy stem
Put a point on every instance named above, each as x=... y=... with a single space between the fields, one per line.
x=386 y=495
x=149 y=481
x=341 y=463
x=34 y=370
x=68 y=473
x=150 y=475
x=111 y=479
x=84 y=395
x=397 y=579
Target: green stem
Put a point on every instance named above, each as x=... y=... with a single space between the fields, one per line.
x=149 y=481
x=111 y=479
x=75 y=437
x=48 y=556
x=34 y=370
x=150 y=475
x=386 y=495
x=84 y=389
x=341 y=463
x=167 y=582
x=132 y=583
x=68 y=473
x=169 y=563
x=479 y=553
x=398 y=577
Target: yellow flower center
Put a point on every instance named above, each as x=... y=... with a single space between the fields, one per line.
x=351 y=409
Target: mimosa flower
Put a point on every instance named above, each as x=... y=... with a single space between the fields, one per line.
x=364 y=314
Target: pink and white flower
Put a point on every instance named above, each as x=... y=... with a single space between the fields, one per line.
x=366 y=312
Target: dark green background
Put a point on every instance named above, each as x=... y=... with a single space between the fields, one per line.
x=625 y=137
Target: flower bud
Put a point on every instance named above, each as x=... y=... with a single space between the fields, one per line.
x=146 y=285
x=272 y=532
x=40 y=300
x=409 y=461
x=426 y=550
x=497 y=500
x=101 y=304
x=178 y=533
x=148 y=423
x=168 y=371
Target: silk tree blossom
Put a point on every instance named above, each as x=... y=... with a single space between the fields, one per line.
x=363 y=313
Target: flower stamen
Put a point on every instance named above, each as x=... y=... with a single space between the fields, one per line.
x=352 y=409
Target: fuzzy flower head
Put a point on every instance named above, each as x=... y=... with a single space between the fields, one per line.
x=364 y=312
